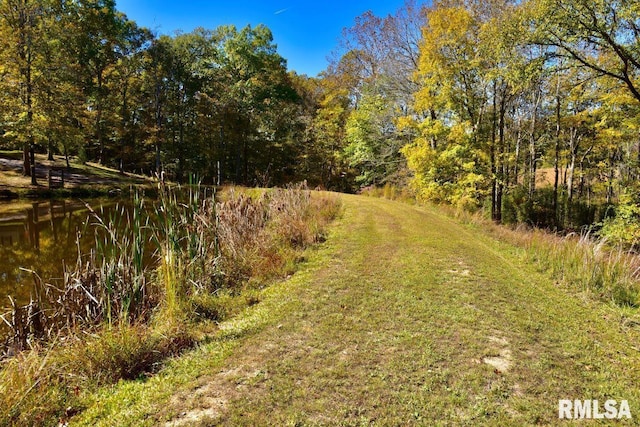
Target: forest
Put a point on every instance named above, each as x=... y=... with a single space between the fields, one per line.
x=527 y=110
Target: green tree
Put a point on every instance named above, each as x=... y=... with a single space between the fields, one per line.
x=383 y=54
x=100 y=38
x=599 y=35
x=21 y=32
x=124 y=81
x=447 y=155
x=373 y=141
x=61 y=99
x=329 y=125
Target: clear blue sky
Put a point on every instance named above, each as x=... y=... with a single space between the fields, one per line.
x=306 y=32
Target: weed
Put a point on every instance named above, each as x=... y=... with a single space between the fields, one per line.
x=582 y=261
x=390 y=192
x=153 y=274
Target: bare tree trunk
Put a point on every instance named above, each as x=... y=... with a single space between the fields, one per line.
x=158 y=130
x=502 y=167
x=50 y=149
x=123 y=114
x=66 y=156
x=99 y=131
x=574 y=145
x=25 y=27
x=26 y=159
x=181 y=161
x=492 y=157
x=32 y=162
x=570 y=173
x=516 y=166
x=556 y=159
x=533 y=162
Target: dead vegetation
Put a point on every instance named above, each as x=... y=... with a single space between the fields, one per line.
x=123 y=308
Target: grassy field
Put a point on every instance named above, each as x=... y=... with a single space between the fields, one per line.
x=79 y=175
x=403 y=317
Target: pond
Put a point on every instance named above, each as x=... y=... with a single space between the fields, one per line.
x=42 y=237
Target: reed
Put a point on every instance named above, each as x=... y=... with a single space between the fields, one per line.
x=156 y=271
x=609 y=272
x=150 y=260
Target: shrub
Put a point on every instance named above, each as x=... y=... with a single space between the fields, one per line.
x=624 y=226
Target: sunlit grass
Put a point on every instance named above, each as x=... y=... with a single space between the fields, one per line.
x=152 y=292
x=583 y=262
x=15 y=180
x=392 y=323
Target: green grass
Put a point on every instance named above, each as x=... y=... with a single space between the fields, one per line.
x=103 y=178
x=394 y=321
x=119 y=318
x=593 y=265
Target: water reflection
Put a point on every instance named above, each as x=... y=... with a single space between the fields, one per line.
x=40 y=237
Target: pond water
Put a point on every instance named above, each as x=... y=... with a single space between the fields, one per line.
x=42 y=237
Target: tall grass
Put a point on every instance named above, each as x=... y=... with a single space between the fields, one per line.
x=156 y=271
x=390 y=192
x=608 y=272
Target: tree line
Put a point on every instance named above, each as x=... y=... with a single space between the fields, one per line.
x=79 y=78
x=512 y=89
x=528 y=109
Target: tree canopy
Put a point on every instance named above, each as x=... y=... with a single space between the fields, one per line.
x=528 y=109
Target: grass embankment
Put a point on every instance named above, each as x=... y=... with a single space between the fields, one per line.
x=404 y=317
x=123 y=310
x=80 y=179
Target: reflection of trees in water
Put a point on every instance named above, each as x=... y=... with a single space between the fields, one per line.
x=38 y=238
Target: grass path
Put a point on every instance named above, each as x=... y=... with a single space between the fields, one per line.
x=403 y=317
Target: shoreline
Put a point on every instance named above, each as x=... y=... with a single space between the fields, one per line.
x=81 y=180
x=85 y=191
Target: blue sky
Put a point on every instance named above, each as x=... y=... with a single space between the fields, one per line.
x=306 y=32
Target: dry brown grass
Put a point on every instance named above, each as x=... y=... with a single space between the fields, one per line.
x=119 y=318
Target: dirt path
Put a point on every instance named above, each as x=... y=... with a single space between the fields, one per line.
x=404 y=317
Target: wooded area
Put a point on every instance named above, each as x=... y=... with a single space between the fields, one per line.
x=526 y=108
x=509 y=90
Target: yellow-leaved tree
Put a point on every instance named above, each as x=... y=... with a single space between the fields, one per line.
x=446 y=155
